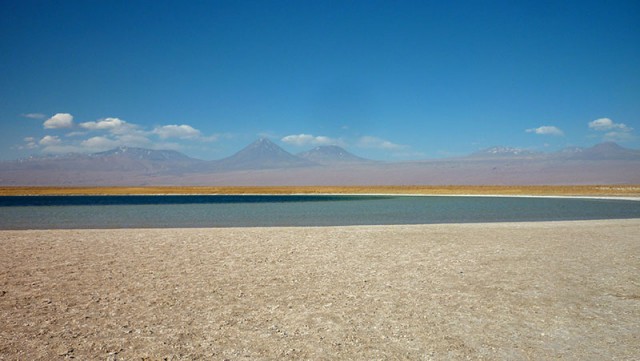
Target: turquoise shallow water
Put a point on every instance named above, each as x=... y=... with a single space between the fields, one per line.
x=55 y=212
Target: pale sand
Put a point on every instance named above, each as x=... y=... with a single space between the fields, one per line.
x=568 y=290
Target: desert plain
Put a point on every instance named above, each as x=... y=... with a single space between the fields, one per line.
x=606 y=190
x=516 y=291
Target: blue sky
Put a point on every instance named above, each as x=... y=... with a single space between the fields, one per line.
x=392 y=80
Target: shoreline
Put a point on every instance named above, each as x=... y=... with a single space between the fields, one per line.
x=499 y=224
x=626 y=198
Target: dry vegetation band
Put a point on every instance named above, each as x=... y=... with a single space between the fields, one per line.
x=575 y=190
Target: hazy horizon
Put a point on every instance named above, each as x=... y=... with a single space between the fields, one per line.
x=511 y=151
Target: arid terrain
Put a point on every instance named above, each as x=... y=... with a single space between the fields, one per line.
x=517 y=291
x=576 y=190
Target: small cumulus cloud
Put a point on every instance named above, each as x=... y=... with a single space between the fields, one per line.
x=102 y=143
x=546 y=130
x=50 y=144
x=99 y=143
x=615 y=132
x=308 y=139
x=108 y=133
x=112 y=125
x=115 y=132
x=34 y=115
x=604 y=124
x=60 y=120
x=49 y=140
x=378 y=143
x=177 y=131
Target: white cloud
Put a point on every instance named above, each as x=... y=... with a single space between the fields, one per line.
x=177 y=131
x=377 y=143
x=112 y=125
x=615 y=132
x=604 y=124
x=49 y=140
x=308 y=139
x=108 y=133
x=34 y=115
x=99 y=143
x=546 y=130
x=60 y=120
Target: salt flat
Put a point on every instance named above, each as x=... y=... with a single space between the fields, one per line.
x=545 y=290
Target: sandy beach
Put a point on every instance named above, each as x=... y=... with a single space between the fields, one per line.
x=518 y=291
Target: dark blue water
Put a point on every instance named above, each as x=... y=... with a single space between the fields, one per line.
x=50 y=212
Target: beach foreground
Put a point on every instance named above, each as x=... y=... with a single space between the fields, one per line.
x=545 y=290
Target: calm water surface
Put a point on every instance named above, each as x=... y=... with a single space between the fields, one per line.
x=51 y=212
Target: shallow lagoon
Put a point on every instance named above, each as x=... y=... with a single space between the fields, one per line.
x=177 y=211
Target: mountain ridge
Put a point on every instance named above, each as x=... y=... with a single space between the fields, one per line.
x=144 y=153
x=265 y=163
x=261 y=154
x=331 y=154
x=503 y=151
x=600 y=151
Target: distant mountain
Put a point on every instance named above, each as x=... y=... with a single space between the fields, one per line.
x=602 y=151
x=570 y=151
x=118 y=159
x=497 y=151
x=265 y=163
x=131 y=153
x=331 y=154
x=261 y=154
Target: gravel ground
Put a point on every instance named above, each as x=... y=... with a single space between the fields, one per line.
x=517 y=291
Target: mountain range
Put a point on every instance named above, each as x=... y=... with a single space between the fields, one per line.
x=265 y=163
x=602 y=151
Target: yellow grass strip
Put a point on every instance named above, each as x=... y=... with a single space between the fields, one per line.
x=576 y=190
